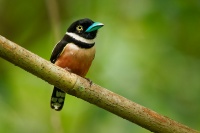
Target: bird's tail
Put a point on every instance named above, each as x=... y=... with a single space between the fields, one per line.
x=57 y=99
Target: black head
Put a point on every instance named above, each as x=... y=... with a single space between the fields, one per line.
x=85 y=28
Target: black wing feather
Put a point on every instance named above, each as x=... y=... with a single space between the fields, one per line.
x=58 y=50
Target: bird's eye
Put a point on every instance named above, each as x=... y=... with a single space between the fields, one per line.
x=79 y=28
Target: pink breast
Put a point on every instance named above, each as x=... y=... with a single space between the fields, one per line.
x=76 y=59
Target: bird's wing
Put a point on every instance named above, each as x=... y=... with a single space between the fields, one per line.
x=57 y=50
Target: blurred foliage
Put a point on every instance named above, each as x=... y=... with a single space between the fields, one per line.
x=148 y=52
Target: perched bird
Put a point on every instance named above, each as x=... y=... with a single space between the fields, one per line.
x=75 y=53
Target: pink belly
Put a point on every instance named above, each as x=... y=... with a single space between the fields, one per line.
x=75 y=59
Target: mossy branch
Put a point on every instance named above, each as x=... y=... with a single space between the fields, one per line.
x=95 y=94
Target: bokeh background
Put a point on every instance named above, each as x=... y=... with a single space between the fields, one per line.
x=148 y=51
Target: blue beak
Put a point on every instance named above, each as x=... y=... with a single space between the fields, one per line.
x=94 y=26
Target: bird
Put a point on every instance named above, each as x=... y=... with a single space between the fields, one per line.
x=74 y=53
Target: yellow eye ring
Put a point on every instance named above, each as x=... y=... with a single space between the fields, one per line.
x=79 y=28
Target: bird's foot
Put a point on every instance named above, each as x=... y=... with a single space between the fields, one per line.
x=90 y=81
x=67 y=69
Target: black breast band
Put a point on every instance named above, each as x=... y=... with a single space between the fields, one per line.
x=80 y=44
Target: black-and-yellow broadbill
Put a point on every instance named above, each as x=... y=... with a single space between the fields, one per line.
x=74 y=53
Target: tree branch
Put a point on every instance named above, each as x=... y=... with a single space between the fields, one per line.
x=79 y=87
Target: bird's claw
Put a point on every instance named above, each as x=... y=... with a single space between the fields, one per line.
x=90 y=81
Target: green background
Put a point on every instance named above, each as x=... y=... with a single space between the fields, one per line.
x=148 y=51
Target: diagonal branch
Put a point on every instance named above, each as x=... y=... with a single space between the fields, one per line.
x=79 y=87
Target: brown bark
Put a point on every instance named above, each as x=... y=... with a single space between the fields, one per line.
x=97 y=95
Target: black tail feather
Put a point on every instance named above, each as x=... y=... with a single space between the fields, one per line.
x=57 y=99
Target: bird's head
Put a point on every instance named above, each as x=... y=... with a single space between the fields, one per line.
x=85 y=28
